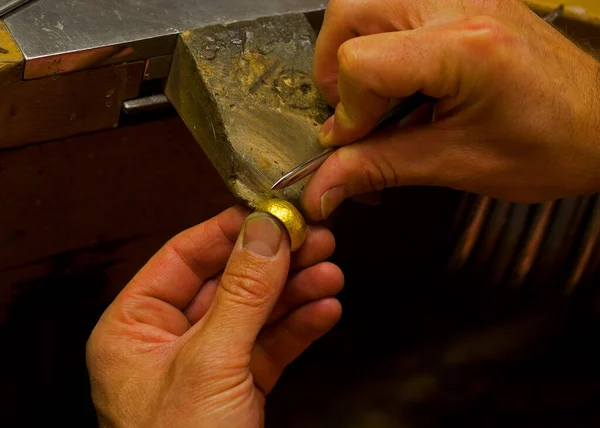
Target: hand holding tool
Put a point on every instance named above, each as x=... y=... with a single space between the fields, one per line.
x=405 y=108
x=395 y=115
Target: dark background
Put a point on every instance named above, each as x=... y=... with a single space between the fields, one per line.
x=415 y=347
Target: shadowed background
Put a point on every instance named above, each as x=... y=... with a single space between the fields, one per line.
x=415 y=347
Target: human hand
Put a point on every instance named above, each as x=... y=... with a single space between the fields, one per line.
x=518 y=116
x=202 y=333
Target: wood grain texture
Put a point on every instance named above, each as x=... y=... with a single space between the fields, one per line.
x=90 y=190
x=78 y=218
x=245 y=92
x=45 y=109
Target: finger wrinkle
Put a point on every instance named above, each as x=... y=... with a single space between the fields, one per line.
x=350 y=58
x=247 y=286
x=139 y=311
x=231 y=229
x=198 y=267
x=312 y=284
x=319 y=245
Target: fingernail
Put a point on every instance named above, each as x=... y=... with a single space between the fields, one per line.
x=325 y=135
x=331 y=199
x=262 y=235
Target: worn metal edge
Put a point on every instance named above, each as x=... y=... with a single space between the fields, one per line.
x=52 y=64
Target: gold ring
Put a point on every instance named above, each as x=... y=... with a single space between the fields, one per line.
x=291 y=218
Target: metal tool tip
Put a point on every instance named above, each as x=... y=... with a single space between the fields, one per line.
x=278 y=184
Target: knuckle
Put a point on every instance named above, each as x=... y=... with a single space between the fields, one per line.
x=177 y=247
x=483 y=23
x=337 y=6
x=378 y=175
x=344 y=161
x=173 y=253
x=488 y=38
x=366 y=171
x=247 y=285
x=349 y=57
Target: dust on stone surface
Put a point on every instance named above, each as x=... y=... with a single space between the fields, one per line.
x=259 y=77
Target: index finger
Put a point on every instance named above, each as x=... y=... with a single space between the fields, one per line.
x=344 y=20
x=177 y=271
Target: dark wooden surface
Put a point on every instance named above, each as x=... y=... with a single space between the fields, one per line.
x=49 y=108
x=79 y=217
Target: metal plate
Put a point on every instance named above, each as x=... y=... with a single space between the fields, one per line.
x=61 y=36
x=8 y=5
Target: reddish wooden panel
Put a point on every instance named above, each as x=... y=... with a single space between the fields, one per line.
x=81 y=192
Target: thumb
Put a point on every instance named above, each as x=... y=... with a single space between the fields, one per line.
x=250 y=285
x=424 y=155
